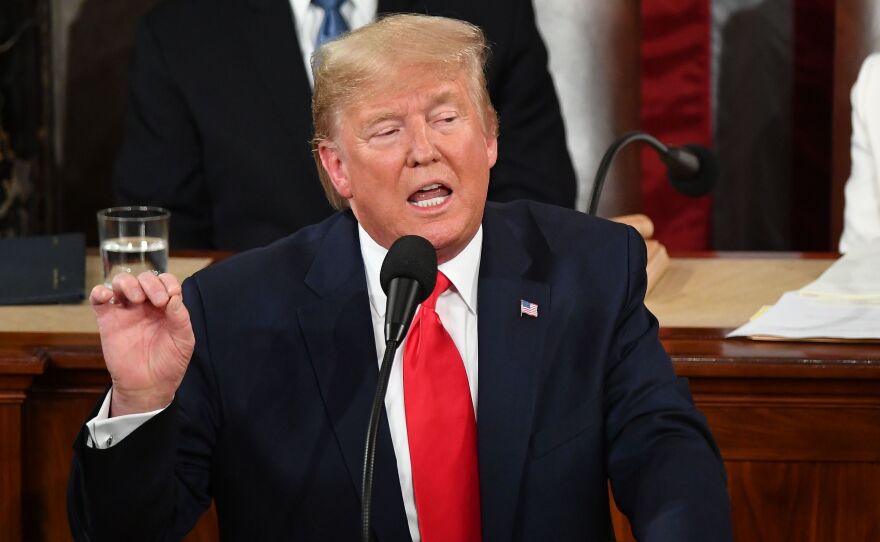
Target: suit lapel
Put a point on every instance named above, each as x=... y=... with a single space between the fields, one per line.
x=510 y=355
x=270 y=34
x=338 y=334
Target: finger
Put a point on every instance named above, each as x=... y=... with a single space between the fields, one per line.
x=100 y=295
x=177 y=314
x=153 y=288
x=127 y=288
x=172 y=285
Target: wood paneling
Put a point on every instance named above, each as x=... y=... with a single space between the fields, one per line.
x=10 y=472
x=17 y=369
x=791 y=431
x=804 y=501
x=57 y=405
x=70 y=378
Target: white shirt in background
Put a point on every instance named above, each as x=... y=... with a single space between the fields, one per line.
x=861 y=213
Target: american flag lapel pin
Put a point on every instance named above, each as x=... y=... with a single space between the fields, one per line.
x=528 y=308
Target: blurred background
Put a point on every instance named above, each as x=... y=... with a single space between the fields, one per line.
x=763 y=82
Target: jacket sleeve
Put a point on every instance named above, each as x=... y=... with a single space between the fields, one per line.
x=533 y=161
x=160 y=161
x=665 y=469
x=154 y=484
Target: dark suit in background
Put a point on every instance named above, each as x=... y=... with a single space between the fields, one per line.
x=219 y=125
x=271 y=417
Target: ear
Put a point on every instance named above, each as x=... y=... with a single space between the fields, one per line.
x=492 y=150
x=332 y=160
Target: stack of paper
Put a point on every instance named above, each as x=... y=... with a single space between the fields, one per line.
x=844 y=303
x=854 y=276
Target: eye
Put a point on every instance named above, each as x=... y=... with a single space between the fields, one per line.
x=445 y=120
x=385 y=132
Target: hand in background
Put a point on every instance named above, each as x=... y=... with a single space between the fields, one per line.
x=146 y=337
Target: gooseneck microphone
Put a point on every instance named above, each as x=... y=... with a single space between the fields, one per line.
x=692 y=169
x=408 y=275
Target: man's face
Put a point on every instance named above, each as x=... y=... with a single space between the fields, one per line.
x=412 y=159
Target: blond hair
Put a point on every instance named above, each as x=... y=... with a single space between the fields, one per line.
x=347 y=68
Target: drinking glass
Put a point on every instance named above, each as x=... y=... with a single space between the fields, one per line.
x=133 y=239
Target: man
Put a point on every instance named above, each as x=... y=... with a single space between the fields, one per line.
x=218 y=126
x=257 y=391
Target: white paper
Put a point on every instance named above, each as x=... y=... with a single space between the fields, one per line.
x=854 y=276
x=796 y=316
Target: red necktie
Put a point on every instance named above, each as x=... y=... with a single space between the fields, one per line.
x=441 y=429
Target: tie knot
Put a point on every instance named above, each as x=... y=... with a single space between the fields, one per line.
x=441 y=286
x=334 y=23
x=329 y=4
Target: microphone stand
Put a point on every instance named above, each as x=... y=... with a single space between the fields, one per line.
x=608 y=158
x=407 y=276
x=391 y=346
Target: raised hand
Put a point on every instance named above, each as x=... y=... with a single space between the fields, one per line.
x=146 y=337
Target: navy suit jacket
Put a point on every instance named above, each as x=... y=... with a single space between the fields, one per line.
x=219 y=119
x=271 y=418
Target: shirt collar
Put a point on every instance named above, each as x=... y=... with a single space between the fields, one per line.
x=300 y=7
x=462 y=271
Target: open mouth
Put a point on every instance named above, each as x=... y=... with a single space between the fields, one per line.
x=430 y=195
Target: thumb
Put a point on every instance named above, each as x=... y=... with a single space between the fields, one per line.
x=176 y=313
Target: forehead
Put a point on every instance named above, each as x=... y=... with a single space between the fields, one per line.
x=398 y=87
x=409 y=99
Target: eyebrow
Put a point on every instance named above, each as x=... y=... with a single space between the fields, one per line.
x=445 y=96
x=381 y=117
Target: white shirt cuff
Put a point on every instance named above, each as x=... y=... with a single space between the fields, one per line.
x=105 y=432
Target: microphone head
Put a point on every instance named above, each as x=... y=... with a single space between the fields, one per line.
x=414 y=258
x=698 y=182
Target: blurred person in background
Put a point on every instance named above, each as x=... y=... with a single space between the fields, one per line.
x=218 y=123
x=861 y=214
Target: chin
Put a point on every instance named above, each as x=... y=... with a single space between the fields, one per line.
x=447 y=245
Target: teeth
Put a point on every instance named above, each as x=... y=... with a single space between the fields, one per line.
x=429 y=187
x=430 y=202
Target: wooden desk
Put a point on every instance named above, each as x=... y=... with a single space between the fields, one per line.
x=798 y=424
x=51 y=374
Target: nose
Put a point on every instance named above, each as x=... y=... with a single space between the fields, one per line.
x=422 y=149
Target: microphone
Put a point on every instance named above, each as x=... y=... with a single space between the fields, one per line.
x=692 y=170
x=408 y=276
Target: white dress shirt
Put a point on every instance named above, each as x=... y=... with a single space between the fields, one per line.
x=104 y=432
x=457 y=309
x=308 y=19
x=861 y=213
